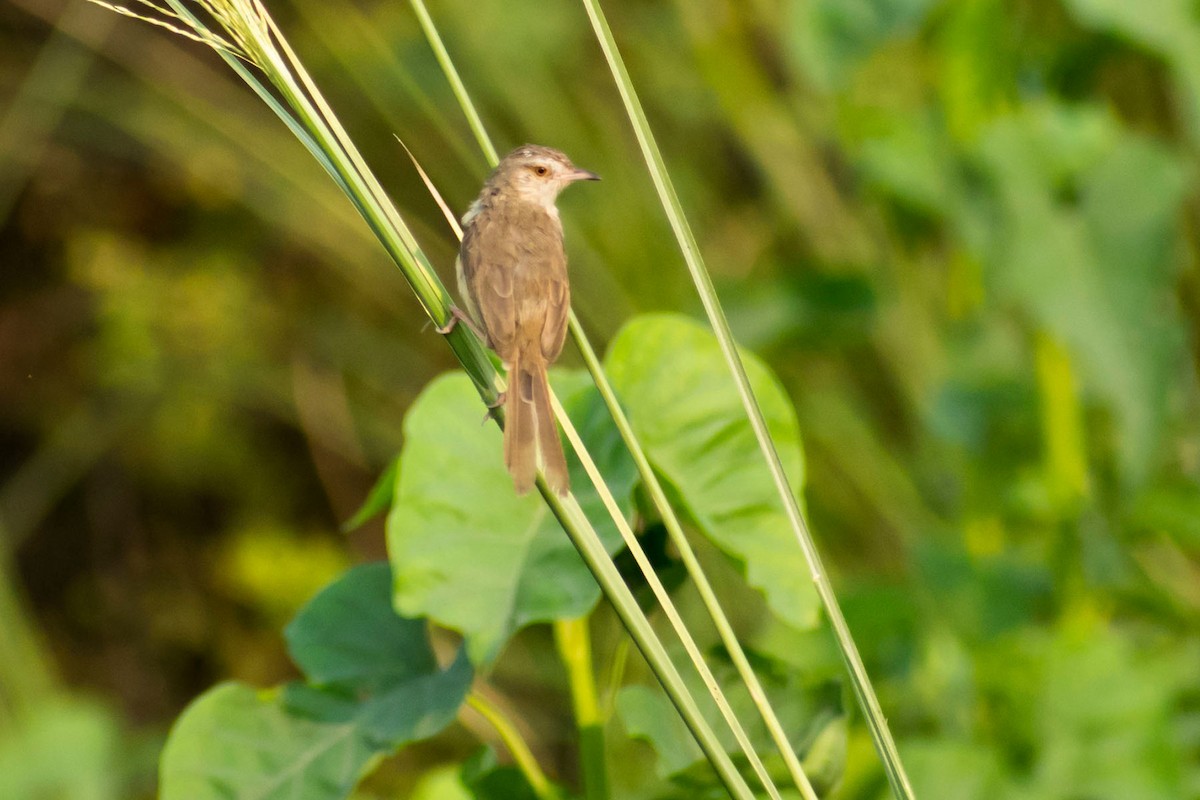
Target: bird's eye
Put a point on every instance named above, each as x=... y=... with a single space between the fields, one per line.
x=540 y=170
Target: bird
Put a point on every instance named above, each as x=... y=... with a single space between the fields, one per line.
x=512 y=275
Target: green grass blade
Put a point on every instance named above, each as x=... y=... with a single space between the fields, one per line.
x=460 y=90
x=668 y=605
x=517 y=748
x=863 y=690
x=688 y=555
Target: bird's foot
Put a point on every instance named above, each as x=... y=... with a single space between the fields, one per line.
x=491 y=412
x=457 y=315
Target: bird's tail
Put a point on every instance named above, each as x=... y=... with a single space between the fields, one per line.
x=530 y=432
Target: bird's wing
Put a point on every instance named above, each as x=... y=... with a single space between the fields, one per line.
x=542 y=287
x=558 y=309
x=488 y=259
x=515 y=270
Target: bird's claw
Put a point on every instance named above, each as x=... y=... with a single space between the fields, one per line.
x=491 y=407
x=457 y=315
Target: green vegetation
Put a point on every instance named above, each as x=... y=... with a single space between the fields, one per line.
x=959 y=235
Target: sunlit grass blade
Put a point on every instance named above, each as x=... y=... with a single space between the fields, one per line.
x=863 y=690
x=668 y=606
x=451 y=220
x=517 y=748
x=460 y=90
x=573 y=519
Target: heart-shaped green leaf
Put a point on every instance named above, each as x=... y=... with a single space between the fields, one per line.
x=466 y=551
x=685 y=409
x=374 y=686
x=238 y=742
x=350 y=635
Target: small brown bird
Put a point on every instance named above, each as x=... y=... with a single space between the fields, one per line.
x=512 y=272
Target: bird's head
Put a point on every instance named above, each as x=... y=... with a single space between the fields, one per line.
x=537 y=174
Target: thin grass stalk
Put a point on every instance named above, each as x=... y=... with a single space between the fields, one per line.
x=876 y=722
x=573 y=520
x=668 y=605
x=573 y=641
x=255 y=36
x=370 y=35
x=645 y=470
x=688 y=555
x=456 y=84
x=517 y=747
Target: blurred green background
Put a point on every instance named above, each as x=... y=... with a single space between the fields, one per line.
x=963 y=232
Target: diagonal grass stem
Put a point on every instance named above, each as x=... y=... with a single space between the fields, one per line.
x=865 y=693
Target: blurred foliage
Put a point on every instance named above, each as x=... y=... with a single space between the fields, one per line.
x=962 y=232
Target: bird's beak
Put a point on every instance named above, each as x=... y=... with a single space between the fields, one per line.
x=582 y=175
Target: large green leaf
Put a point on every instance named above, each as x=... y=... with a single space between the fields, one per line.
x=367 y=665
x=409 y=712
x=466 y=551
x=685 y=410
x=375 y=686
x=238 y=742
x=349 y=635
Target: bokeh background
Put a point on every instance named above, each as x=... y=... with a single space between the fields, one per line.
x=963 y=232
